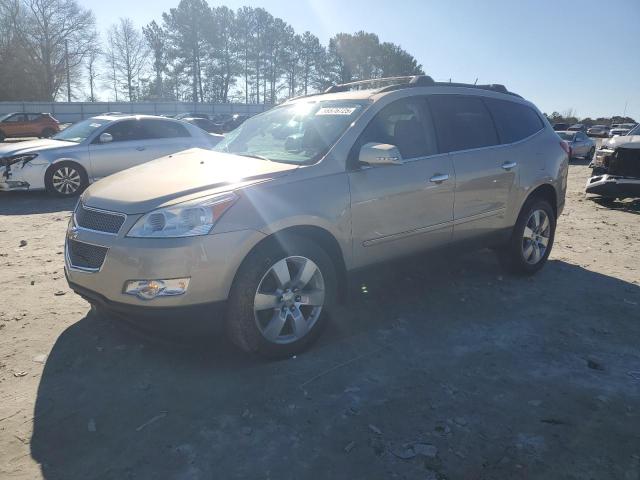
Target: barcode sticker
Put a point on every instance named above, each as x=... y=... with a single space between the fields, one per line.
x=336 y=111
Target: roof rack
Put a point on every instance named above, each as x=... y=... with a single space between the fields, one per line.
x=409 y=81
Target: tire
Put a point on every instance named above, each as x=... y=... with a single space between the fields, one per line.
x=272 y=331
x=48 y=132
x=524 y=255
x=589 y=155
x=2 y=137
x=66 y=179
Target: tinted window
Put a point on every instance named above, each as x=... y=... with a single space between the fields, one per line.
x=18 y=117
x=513 y=120
x=127 y=130
x=462 y=122
x=34 y=116
x=163 y=129
x=406 y=125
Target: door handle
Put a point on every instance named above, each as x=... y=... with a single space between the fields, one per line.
x=509 y=165
x=140 y=149
x=439 y=178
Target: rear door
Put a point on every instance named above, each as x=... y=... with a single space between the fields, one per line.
x=166 y=137
x=400 y=209
x=486 y=173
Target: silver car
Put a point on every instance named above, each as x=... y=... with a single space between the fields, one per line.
x=270 y=223
x=92 y=149
x=580 y=144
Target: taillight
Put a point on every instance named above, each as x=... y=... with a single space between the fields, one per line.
x=565 y=146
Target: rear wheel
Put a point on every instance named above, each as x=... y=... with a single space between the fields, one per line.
x=532 y=238
x=279 y=300
x=590 y=154
x=66 y=179
x=2 y=137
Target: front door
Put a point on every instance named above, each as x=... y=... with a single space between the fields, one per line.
x=15 y=125
x=400 y=209
x=130 y=146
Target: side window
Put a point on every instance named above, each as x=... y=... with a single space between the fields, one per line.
x=18 y=117
x=513 y=120
x=163 y=129
x=462 y=122
x=34 y=116
x=404 y=123
x=126 y=130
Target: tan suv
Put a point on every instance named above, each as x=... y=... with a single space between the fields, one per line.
x=270 y=224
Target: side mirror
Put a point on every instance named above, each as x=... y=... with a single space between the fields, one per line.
x=375 y=154
x=106 y=138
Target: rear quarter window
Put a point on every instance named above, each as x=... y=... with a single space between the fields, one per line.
x=514 y=121
x=462 y=122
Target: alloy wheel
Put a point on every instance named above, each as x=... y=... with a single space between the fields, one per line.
x=536 y=236
x=66 y=180
x=289 y=300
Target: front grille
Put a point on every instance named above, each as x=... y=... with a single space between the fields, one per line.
x=85 y=255
x=98 y=220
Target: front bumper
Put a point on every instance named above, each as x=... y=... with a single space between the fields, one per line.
x=611 y=186
x=210 y=261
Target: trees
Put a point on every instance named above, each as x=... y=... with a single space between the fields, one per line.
x=157 y=43
x=127 y=55
x=49 y=25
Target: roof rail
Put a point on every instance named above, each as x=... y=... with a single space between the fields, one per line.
x=494 y=87
x=387 y=82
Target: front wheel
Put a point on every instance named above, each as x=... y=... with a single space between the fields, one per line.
x=279 y=300
x=66 y=179
x=589 y=155
x=532 y=238
x=48 y=133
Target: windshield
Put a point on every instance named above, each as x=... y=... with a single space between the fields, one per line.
x=78 y=132
x=566 y=135
x=300 y=133
x=635 y=130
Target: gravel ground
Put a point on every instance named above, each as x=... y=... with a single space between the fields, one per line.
x=437 y=368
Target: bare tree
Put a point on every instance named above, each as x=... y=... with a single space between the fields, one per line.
x=128 y=54
x=92 y=71
x=49 y=25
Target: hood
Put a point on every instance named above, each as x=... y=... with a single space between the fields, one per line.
x=32 y=146
x=179 y=177
x=614 y=142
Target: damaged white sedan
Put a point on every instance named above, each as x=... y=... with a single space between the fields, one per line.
x=94 y=148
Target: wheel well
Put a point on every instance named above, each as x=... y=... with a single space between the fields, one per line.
x=58 y=162
x=320 y=236
x=546 y=192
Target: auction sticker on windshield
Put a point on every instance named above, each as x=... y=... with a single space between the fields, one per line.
x=336 y=111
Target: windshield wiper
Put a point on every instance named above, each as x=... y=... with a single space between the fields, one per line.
x=251 y=155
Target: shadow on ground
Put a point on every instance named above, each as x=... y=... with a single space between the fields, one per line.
x=27 y=203
x=627 y=205
x=492 y=371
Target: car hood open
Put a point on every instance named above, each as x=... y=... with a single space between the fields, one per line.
x=179 y=177
x=32 y=146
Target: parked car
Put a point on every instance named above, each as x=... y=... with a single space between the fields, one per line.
x=19 y=125
x=580 y=144
x=271 y=227
x=598 y=131
x=561 y=127
x=599 y=162
x=621 y=129
x=578 y=127
x=94 y=148
x=618 y=174
x=182 y=116
x=205 y=124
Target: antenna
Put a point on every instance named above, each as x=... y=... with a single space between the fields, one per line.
x=476 y=82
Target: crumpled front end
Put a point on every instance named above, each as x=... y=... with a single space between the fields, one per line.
x=21 y=175
x=620 y=174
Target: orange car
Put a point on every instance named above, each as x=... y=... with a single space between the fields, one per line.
x=28 y=125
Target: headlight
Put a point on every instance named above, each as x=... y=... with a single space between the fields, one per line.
x=21 y=158
x=188 y=219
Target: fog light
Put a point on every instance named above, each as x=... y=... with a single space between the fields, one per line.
x=150 y=289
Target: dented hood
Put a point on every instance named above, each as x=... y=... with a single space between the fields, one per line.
x=180 y=177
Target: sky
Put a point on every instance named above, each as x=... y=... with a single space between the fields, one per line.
x=561 y=55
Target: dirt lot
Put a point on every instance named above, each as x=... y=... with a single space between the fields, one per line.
x=438 y=368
